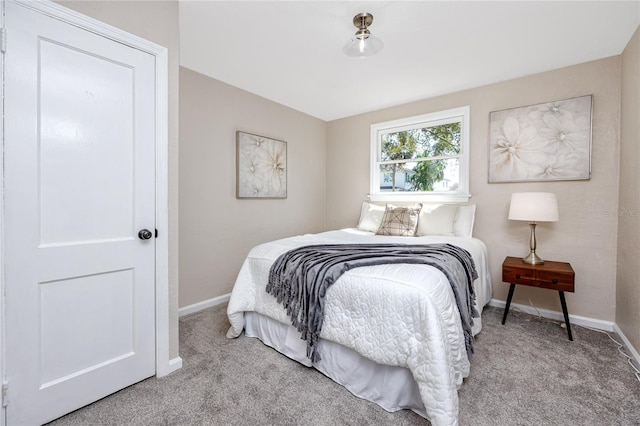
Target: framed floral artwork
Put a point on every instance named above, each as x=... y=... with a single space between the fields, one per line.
x=261 y=167
x=543 y=142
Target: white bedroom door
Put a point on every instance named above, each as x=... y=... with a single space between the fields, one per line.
x=79 y=152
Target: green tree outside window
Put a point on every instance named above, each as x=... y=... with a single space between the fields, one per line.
x=428 y=148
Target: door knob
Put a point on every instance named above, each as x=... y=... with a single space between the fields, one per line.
x=145 y=234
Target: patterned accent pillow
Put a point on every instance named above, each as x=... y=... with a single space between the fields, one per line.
x=400 y=221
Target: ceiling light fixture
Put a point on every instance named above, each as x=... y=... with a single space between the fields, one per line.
x=363 y=43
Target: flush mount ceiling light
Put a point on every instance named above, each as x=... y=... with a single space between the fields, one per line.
x=363 y=43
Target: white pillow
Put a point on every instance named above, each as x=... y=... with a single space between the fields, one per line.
x=464 y=222
x=437 y=221
x=370 y=217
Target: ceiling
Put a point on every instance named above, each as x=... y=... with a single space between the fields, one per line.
x=291 y=51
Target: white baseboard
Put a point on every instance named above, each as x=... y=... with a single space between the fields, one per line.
x=168 y=368
x=175 y=364
x=634 y=354
x=197 y=307
x=558 y=316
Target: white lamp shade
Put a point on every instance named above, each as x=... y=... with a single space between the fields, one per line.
x=534 y=207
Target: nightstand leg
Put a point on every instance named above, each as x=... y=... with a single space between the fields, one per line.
x=506 y=308
x=566 y=314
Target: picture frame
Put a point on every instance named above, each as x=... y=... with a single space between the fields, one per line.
x=544 y=142
x=261 y=167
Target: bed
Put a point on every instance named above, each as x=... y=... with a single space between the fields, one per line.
x=392 y=333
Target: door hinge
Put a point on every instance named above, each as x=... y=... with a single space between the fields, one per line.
x=3 y=40
x=5 y=394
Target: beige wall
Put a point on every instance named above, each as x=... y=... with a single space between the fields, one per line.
x=586 y=235
x=156 y=21
x=216 y=229
x=628 y=280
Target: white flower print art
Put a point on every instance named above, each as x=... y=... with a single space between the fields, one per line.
x=550 y=141
x=261 y=165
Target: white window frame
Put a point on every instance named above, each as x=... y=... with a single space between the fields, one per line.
x=420 y=121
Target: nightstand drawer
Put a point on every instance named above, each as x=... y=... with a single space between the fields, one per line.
x=518 y=275
x=555 y=280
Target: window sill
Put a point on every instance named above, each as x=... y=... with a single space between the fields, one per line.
x=404 y=197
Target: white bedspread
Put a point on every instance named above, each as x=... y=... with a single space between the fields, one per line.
x=401 y=315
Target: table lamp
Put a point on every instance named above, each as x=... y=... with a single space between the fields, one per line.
x=533 y=207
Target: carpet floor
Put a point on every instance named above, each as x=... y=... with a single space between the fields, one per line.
x=524 y=373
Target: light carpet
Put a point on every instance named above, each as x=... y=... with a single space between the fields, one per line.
x=523 y=373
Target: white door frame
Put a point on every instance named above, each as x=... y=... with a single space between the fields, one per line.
x=164 y=365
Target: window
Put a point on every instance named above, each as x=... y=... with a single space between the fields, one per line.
x=422 y=158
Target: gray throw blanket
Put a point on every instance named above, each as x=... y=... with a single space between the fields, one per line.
x=299 y=279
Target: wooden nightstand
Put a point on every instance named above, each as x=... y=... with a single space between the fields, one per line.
x=552 y=275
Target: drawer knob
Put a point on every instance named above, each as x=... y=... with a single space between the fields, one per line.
x=555 y=281
x=518 y=276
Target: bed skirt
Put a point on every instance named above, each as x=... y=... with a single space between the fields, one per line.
x=392 y=388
